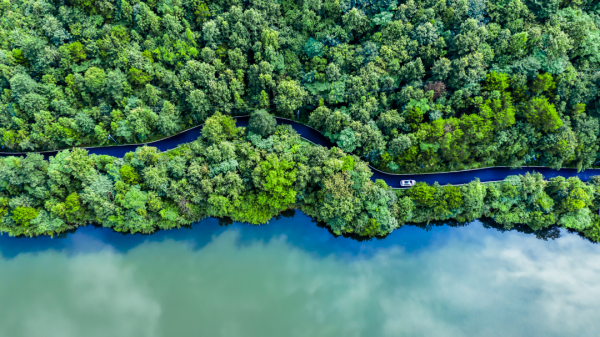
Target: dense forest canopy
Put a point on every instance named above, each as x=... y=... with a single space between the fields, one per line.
x=411 y=86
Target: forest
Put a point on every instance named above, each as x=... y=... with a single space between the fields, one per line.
x=252 y=174
x=405 y=86
x=410 y=86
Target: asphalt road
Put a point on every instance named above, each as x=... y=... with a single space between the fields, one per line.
x=314 y=136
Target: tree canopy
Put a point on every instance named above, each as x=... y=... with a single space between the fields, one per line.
x=469 y=83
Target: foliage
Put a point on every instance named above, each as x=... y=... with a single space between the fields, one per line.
x=23 y=215
x=518 y=200
x=278 y=177
x=222 y=174
x=473 y=83
x=240 y=177
x=219 y=128
x=262 y=123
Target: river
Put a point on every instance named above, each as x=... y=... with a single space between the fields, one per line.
x=293 y=278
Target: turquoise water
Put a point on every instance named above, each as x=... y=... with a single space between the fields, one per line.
x=292 y=278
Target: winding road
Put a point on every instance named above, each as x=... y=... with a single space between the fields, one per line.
x=314 y=136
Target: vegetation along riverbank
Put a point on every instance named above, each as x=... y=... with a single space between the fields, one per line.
x=252 y=174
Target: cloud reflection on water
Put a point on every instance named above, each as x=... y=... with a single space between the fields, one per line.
x=466 y=282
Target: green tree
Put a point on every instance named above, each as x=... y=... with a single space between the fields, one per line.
x=77 y=51
x=277 y=177
x=140 y=123
x=422 y=194
x=347 y=140
x=542 y=114
x=577 y=199
x=289 y=96
x=129 y=175
x=199 y=104
x=501 y=111
x=453 y=196
x=543 y=83
x=371 y=229
x=95 y=80
x=23 y=215
x=262 y=123
x=115 y=84
x=74 y=210
x=400 y=144
x=355 y=21
x=496 y=81
x=219 y=127
x=139 y=77
x=169 y=121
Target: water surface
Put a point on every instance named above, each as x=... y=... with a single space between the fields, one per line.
x=292 y=278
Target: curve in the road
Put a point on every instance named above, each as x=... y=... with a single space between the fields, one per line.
x=314 y=136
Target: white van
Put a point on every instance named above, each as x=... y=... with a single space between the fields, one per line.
x=407 y=183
